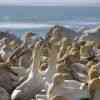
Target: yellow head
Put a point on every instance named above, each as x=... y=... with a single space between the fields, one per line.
x=58 y=79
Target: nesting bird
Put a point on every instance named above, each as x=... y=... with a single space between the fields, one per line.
x=94 y=82
x=34 y=83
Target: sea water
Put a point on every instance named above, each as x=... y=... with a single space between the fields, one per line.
x=39 y=19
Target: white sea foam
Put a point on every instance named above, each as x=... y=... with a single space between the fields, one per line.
x=27 y=25
x=93 y=30
x=23 y=25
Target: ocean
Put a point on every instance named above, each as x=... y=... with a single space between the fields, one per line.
x=39 y=19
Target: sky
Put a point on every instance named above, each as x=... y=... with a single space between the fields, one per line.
x=51 y=2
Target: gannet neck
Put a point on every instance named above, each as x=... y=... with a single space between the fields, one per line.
x=51 y=65
x=36 y=60
x=52 y=58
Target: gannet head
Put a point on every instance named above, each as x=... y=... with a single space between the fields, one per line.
x=98 y=68
x=58 y=79
x=60 y=67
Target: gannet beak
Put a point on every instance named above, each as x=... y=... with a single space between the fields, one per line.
x=14 y=94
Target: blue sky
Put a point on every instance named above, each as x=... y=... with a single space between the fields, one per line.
x=51 y=2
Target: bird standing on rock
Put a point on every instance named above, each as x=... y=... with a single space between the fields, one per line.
x=34 y=83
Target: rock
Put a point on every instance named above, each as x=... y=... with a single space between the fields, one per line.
x=93 y=34
x=85 y=27
x=60 y=31
x=4 y=94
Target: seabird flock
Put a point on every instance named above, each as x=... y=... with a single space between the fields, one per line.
x=55 y=69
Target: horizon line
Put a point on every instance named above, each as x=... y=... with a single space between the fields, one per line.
x=49 y=5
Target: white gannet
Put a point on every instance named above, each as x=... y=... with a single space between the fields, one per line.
x=34 y=83
x=69 y=89
x=5 y=51
x=51 y=70
x=94 y=89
